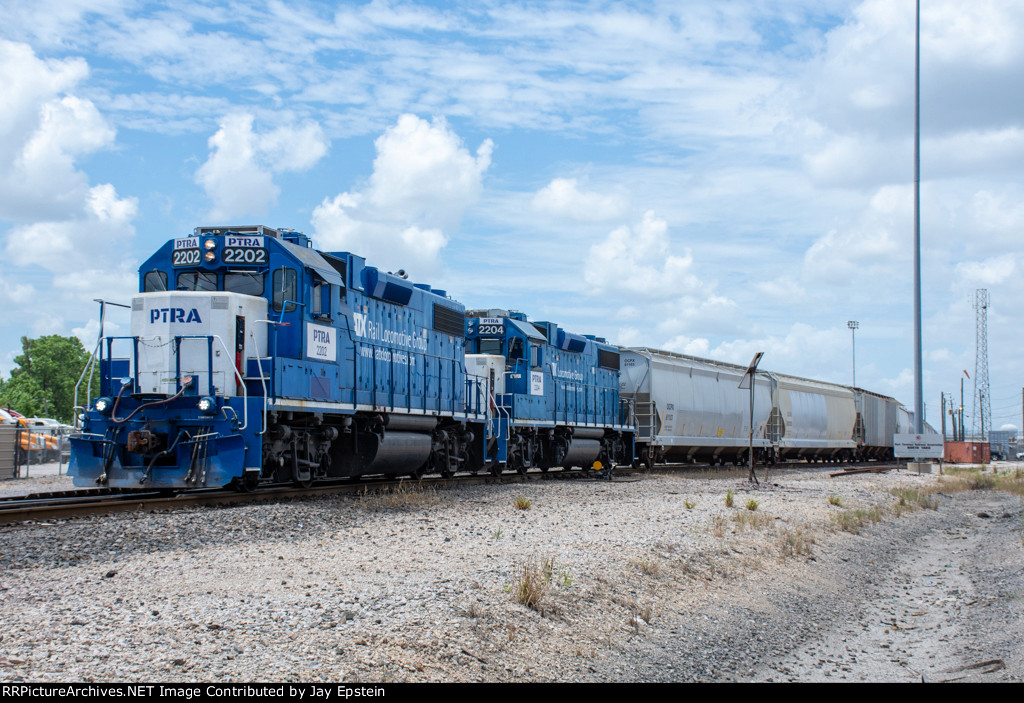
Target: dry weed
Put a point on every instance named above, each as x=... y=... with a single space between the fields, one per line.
x=402 y=496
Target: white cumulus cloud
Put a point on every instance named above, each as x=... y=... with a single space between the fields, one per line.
x=637 y=260
x=43 y=129
x=238 y=175
x=423 y=180
x=562 y=197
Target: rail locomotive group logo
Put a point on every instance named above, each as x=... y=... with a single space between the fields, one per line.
x=376 y=332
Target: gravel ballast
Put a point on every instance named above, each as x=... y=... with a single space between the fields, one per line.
x=647 y=578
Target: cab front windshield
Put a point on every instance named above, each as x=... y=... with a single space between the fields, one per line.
x=245 y=282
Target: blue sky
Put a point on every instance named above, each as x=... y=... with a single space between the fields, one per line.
x=715 y=178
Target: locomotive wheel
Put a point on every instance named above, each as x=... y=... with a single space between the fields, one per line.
x=494 y=468
x=244 y=484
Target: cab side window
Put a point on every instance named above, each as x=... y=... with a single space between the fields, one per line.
x=154 y=281
x=284 y=285
x=515 y=349
x=321 y=302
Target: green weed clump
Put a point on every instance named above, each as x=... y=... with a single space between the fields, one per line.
x=522 y=503
x=730 y=498
x=835 y=500
x=752 y=504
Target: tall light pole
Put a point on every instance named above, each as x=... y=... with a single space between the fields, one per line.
x=853 y=325
x=918 y=381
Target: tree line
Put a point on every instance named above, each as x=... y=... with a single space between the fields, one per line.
x=43 y=382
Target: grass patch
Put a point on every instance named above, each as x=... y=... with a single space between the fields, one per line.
x=535 y=579
x=648 y=566
x=835 y=500
x=752 y=504
x=753 y=521
x=522 y=503
x=854 y=521
x=910 y=499
x=402 y=496
x=690 y=504
x=718 y=526
x=962 y=479
x=730 y=498
x=498 y=533
x=795 y=542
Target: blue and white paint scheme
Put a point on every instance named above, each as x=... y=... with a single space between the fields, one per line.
x=555 y=398
x=254 y=358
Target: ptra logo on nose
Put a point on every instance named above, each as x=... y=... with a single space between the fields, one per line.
x=175 y=315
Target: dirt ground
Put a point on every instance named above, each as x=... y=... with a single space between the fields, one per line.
x=662 y=577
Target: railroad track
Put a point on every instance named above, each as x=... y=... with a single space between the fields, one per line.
x=99 y=501
x=95 y=501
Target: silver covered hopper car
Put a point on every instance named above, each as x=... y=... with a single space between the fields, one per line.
x=692 y=409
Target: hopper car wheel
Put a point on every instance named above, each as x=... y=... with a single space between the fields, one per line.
x=522 y=469
x=494 y=468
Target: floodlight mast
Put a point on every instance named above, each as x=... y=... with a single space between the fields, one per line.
x=918 y=389
x=853 y=325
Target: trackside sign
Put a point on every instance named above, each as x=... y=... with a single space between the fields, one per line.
x=918 y=446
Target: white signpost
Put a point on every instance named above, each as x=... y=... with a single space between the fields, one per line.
x=918 y=446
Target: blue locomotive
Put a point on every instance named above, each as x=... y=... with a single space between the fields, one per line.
x=254 y=358
x=555 y=395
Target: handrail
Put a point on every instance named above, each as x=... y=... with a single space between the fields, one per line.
x=177 y=339
x=89 y=365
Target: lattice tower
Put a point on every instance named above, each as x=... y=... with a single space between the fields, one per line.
x=982 y=403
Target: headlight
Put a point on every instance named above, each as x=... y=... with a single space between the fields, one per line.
x=210 y=244
x=104 y=405
x=209 y=256
x=207 y=405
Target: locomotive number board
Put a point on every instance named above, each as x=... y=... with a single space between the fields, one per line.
x=491 y=326
x=243 y=250
x=186 y=252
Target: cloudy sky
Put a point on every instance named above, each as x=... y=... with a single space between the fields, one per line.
x=715 y=178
